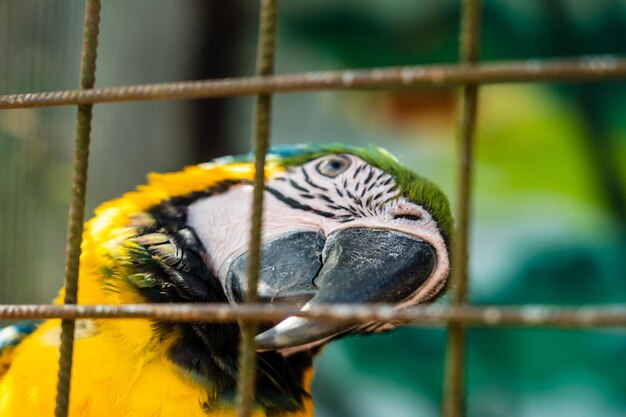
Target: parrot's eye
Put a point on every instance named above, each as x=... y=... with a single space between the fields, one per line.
x=333 y=166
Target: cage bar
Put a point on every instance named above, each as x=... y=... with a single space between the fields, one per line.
x=613 y=316
x=456 y=353
x=266 y=51
x=585 y=69
x=77 y=203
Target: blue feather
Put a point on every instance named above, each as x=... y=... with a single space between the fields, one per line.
x=285 y=152
x=12 y=335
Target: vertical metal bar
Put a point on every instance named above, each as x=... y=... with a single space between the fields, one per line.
x=265 y=66
x=455 y=372
x=77 y=204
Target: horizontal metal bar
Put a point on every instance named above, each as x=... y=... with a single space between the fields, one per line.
x=558 y=70
x=483 y=316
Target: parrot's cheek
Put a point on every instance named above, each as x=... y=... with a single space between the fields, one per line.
x=354 y=265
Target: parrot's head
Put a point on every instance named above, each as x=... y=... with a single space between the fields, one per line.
x=341 y=225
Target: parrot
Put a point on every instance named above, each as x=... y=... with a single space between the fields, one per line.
x=341 y=224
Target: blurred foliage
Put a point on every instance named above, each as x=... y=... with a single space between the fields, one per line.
x=550 y=208
x=40 y=51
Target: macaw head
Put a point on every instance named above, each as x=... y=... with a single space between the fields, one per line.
x=341 y=225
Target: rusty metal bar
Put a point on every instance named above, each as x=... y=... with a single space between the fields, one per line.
x=584 y=69
x=433 y=315
x=266 y=50
x=456 y=353
x=77 y=204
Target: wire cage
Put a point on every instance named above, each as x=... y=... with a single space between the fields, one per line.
x=468 y=74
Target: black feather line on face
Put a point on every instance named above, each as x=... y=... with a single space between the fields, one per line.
x=378 y=195
x=350 y=195
x=298 y=186
x=345 y=218
x=357 y=171
x=310 y=182
x=360 y=211
x=169 y=251
x=369 y=176
x=370 y=187
x=383 y=203
x=296 y=204
x=325 y=198
x=338 y=207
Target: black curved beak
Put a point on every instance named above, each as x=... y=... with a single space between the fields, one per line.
x=289 y=266
x=355 y=265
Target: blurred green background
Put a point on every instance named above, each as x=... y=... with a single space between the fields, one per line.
x=549 y=220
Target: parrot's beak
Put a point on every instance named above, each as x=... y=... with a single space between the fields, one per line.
x=354 y=265
x=289 y=267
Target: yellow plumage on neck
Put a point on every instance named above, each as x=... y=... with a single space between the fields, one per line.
x=120 y=368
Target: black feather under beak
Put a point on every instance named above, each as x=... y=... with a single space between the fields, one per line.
x=354 y=265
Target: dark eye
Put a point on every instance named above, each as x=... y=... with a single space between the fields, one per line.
x=333 y=166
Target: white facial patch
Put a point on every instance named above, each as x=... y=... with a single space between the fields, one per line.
x=222 y=222
x=303 y=198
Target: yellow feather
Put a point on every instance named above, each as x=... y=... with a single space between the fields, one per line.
x=119 y=369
